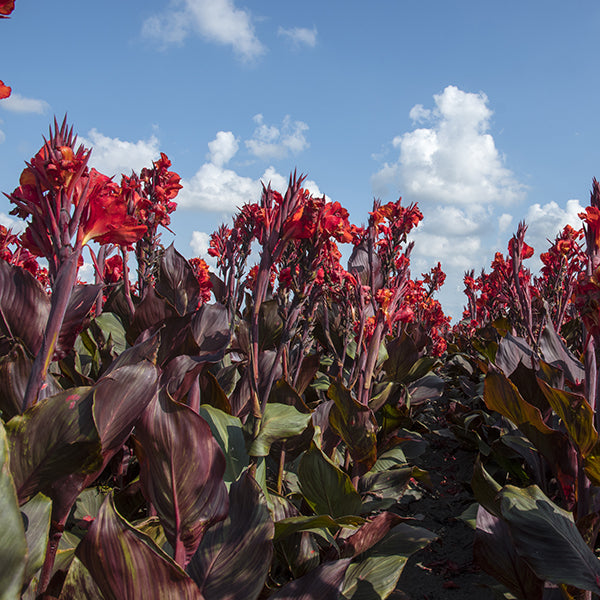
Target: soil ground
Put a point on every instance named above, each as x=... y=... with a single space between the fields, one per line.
x=444 y=570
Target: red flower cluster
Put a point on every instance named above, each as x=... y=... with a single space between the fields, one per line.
x=6 y=7
x=5 y=90
x=202 y=274
x=65 y=200
x=14 y=253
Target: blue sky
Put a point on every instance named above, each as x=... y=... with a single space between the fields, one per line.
x=483 y=113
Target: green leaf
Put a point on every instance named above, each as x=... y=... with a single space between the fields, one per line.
x=13 y=545
x=36 y=519
x=53 y=439
x=377 y=574
x=576 y=414
x=229 y=434
x=326 y=488
x=279 y=422
x=291 y=525
x=112 y=329
x=548 y=539
x=79 y=584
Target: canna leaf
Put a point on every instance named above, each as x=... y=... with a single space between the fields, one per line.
x=279 y=422
x=13 y=545
x=234 y=557
x=177 y=283
x=24 y=306
x=182 y=469
x=495 y=552
x=53 y=439
x=229 y=434
x=127 y=565
x=546 y=537
x=377 y=573
x=326 y=488
x=576 y=414
x=322 y=583
x=79 y=584
x=36 y=520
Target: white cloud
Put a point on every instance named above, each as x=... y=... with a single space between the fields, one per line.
x=270 y=142
x=113 y=156
x=223 y=148
x=216 y=188
x=19 y=104
x=455 y=161
x=545 y=222
x=200 y=242
x=216 y=20
x=450 y=166
x=15 y=224
x=299 y=36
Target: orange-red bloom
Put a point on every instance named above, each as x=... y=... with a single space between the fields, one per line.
x=4 y=90
x=6 y=7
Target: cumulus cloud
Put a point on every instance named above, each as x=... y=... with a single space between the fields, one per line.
x=453 y=161
x=449 y=164
x=299 y=36
x=113 y=156
x=15 y=224
x=271 y=142
x=19 y=104
x=218 y=21
x=217 y=188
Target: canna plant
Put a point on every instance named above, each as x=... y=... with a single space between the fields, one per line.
x=542 y=537
x=166 y=446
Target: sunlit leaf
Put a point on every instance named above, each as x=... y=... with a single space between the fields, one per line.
x=548 y=539
x=279 y=422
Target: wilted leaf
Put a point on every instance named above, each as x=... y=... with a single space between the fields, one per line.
x=182 y=470
x=326 y=488
x=234 y=557
x=128 y=565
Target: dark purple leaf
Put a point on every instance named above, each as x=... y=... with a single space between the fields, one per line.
x=494 y=551
x=234 y=557
x=83 y=298
x=358 y=265
x=127 y=564
x=402 y=355
x=24 y=306
x=210 y=330
x=120 y=398
x=149 y=313
x=177 y=282
x=511 y=351
x=182 y=469
x=355 y=424
x=179 y=374
x=322 y=583
x=556 y=353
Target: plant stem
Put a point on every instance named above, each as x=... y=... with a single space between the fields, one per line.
x=61 y=294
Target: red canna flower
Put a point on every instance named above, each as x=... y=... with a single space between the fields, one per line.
x=5 y=90
x=105 y=219
x=6 y=7
x=202 y=274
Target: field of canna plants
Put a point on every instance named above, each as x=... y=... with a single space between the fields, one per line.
x=286 y=425
x=282 y=426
